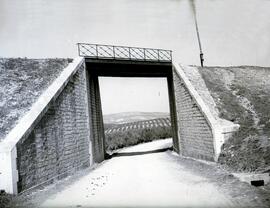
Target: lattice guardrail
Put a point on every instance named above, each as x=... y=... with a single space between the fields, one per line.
x=123 y=53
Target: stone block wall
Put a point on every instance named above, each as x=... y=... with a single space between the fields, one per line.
x=97 y=129
x=59 y=144
x=195 y=135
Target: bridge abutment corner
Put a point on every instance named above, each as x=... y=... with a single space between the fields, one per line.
x=8 y=170
x=52 y=140
x=201 y=135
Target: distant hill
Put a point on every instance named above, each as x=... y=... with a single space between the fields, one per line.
x=129 y=117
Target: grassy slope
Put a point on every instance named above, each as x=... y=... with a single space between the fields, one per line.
x=22 y=81
x=242 y=96
x=5 y=200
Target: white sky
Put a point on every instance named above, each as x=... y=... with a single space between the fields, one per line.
x=120 y=94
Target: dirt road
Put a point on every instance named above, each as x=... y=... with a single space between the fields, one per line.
x=162 y=179
x=150 y=180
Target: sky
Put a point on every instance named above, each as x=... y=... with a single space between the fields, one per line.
x=120 y=94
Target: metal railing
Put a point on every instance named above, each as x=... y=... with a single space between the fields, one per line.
x=96 y=51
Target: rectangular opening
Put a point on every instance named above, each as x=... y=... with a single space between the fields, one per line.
x=135 y=110
x=124 y=69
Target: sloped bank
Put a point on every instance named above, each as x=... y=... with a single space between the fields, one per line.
x=241 y=95
x=22 y=82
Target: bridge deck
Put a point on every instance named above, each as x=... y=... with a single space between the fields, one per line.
x=124 y=53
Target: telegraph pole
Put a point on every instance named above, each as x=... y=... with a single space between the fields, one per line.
x=197 y=31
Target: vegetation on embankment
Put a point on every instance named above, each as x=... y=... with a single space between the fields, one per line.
x=120 y=139
x=5 y=199
x=242 y=96
x=22 y=81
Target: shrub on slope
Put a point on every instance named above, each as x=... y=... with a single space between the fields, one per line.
x=5 y=200
x=242 y=96
x=131 y=137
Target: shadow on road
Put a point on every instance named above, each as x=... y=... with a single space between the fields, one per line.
x=127 y=154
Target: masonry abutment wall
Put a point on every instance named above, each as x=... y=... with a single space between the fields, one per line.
x=58 y=145
x=195 y=134
x=97 y=129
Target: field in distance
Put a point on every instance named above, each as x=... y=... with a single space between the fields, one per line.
x=128 y=117
x=146 y=124
x=132 y=128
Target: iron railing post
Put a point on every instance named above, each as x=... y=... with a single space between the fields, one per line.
x=114 y=52
x=97 y=50
x=144 y=54
x=158 y=55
